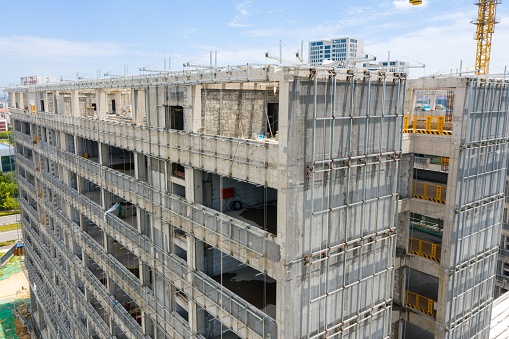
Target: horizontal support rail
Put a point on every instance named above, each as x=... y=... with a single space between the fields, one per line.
x=425 y=249
x=420 y=303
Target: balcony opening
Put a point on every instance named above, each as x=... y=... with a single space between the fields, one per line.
x=88 y=149
x=97 y=271
x=182 y=312
x=178 y=190
x=429 y=185
x=413 y=331
x=91 y=190
x=272 y=119
x=421 y=292
x=178 y=171
x=426 y=225
x=120 y=208
x=42 y=106
x=248 y=283
x=121 y=160
x=125 y=257
x=255 y=205
x=127 y=303
x=180 y=252
x=98 y=308
x=175 y=117
x=93 y=231
x=212 y=328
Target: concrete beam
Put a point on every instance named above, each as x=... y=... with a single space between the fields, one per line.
x=428 y=208
x=422 y=264
x=432 y=145
x=422 y=320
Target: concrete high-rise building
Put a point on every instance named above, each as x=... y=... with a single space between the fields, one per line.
x=454 y=135
x=262 y=202
x=388 y=66
x=339 y=49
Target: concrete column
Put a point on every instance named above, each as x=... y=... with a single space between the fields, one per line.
x=140 y=172
x=104 y=154
x=13 y=100
x=432 y=101
x=139 y=110
x=21 y=100
x=196 y=261
x=196 y=113
x=132 y=103
x=194 y=188
x=101 y=104
x=75 y=103
x=118 y=102
x=59 y=99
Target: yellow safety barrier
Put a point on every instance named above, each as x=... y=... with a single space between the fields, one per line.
x=444 y=161
x=428 y=191
x=425 y=249
x=420 y=303
x=427 y=124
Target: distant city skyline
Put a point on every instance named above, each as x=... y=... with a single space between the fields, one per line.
x=88 y=40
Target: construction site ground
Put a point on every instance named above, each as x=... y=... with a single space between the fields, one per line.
x=14 y=293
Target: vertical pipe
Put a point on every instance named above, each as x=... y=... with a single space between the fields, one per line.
x=302 y=49
x=280 y=52
x=313 y=145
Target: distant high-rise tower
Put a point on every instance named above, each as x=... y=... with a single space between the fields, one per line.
x=338 y=49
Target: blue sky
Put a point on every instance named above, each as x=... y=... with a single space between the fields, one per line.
x=62 y=38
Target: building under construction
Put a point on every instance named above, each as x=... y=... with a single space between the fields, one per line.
x=262 y=202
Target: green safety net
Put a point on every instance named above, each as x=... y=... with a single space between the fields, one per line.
x=12 y=267
x=7 y=317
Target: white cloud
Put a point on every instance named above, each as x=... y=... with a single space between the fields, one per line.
x=39 y=47
x=243 y=7
x=239 y=19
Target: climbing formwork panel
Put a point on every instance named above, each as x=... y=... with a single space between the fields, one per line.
x=352 y=146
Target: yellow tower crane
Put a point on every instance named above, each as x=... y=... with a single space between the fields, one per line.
x=485 y=23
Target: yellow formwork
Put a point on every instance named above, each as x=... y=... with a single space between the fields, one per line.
x=425 y=249
x=420 y=303
x=429 y=191
x=427 y=124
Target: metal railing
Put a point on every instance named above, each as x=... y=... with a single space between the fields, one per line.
x=7 y=255
x=247 y=236
x=225 y=155
x=123 y=277
x=429 y=191
x=36 y=260
x=420 y=303
x=425 y=249
x=427 y=124
x=172 y=268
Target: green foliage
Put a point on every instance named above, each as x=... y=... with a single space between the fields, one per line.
x=6 y=137
x=9 y=191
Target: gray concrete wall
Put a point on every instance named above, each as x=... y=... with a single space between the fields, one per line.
x=235 y=113
x=352 y=204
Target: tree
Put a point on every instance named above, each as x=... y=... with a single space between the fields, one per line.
x=11 y=203
x=8 y=190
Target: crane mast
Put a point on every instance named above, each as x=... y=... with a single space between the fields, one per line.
x=485 y=23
